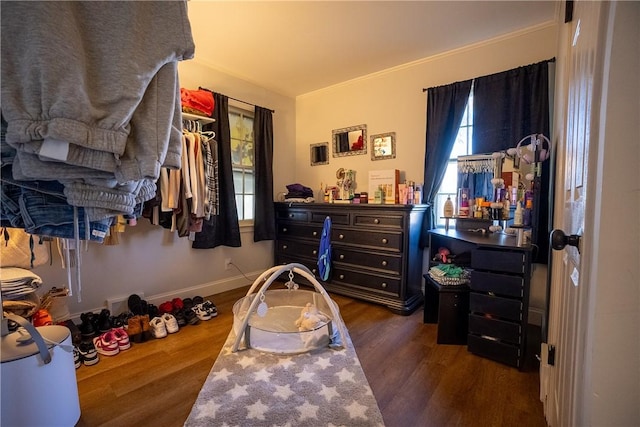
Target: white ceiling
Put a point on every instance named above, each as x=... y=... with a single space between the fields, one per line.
x=295 y=47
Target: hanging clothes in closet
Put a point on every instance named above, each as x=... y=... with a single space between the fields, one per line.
x=188 y=196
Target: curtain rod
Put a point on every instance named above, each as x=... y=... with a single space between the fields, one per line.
x=548 y=60
x=248 y=103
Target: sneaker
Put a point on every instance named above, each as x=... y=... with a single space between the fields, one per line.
x=77 y=358
x=158 y=328
x=122 y=338
x=177 y=304
x=88 y=353
x=210 y=308
x=134 y=328
x=146 y=327
x=201 y=312
x=86 y=328
x=191 y=317
x=179 y=315
x=166 y=307
x=106 y=344
x=104 y=321
x=170 y=323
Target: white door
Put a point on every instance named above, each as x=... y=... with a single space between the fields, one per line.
x=576 y=122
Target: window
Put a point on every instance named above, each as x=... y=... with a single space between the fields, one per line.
x=242 y=160
x=461 y=147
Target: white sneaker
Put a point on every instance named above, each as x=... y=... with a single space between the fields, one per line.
x=170 y=323
x=158 y=328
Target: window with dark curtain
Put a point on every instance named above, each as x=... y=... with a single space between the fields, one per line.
x=222 y=229
x=264 y=225
x=507 y=107
x=445 y=108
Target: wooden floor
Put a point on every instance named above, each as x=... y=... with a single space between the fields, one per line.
x=415 y=381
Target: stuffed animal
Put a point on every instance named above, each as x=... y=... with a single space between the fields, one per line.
x=310 y=318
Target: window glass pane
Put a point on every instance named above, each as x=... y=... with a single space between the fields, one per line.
x=450 y=181
x=239 y=206
x=461 y=144
x=249 y=183
x=237 y=181
x=248 y=206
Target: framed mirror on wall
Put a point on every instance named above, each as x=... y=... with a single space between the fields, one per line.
x=350 y=141
x=320 y=154
x=383 y=146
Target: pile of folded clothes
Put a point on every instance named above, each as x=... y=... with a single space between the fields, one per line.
x=298 y=193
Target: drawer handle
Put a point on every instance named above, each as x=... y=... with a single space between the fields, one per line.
x=315 y=233
x=341 y=256
x=284 y=230
x=376 y=221
x=291 y=215
x=384 y=285
x=315 y=252
x=341 y=276
x=314 y=271
x=341 y=236
x=385 y=241
x=284 y=246
x=384 y=263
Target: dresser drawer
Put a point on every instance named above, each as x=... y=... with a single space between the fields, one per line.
x=364 y=280
x=284 y=258
x=292 y=215
x=297 y=247
x=501 y=307
x=495 y=328
x=337 y=218
x=499 y=284
x=498 y=260
x=389 y=263
x=493 y=349
x=299 y=231
x=388 y=241
x=378 y=220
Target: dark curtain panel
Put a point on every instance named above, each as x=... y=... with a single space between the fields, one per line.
x=264 y=227
x=222 y=229
x=445 y=107
x=510 y=105
x=507 y=107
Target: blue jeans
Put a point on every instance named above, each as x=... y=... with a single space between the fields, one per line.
x=41 y=208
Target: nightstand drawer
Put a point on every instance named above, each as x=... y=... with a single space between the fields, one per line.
x=369 y=220
x=497 y=306
x=389 y=263
x=388 y=241
x=495 y=328
x=499 y=284
x=498 y=260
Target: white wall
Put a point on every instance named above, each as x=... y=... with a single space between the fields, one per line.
x=156 y=262
x=393 y=101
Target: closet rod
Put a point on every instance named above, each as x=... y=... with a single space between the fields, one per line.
x=248 y=103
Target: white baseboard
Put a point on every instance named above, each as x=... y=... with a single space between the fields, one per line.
x=118 y=304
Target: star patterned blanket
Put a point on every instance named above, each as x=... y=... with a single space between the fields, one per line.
x=326 y=387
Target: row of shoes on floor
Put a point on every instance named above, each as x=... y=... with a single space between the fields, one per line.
x=109 y=335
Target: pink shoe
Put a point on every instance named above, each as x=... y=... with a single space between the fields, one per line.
x=122 y=337
x=106 y=344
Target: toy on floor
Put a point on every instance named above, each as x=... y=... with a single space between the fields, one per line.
x=310 y=318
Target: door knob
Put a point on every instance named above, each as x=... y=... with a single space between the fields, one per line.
x=559 y=240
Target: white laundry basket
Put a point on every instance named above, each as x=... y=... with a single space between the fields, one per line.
x=39 y=385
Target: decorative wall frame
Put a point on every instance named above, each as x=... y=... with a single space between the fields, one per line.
x=383 y=146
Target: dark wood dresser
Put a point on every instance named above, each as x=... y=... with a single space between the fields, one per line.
x=376 y=254
x=498 y=301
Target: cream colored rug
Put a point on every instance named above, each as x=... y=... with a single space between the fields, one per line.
x=326 y=387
